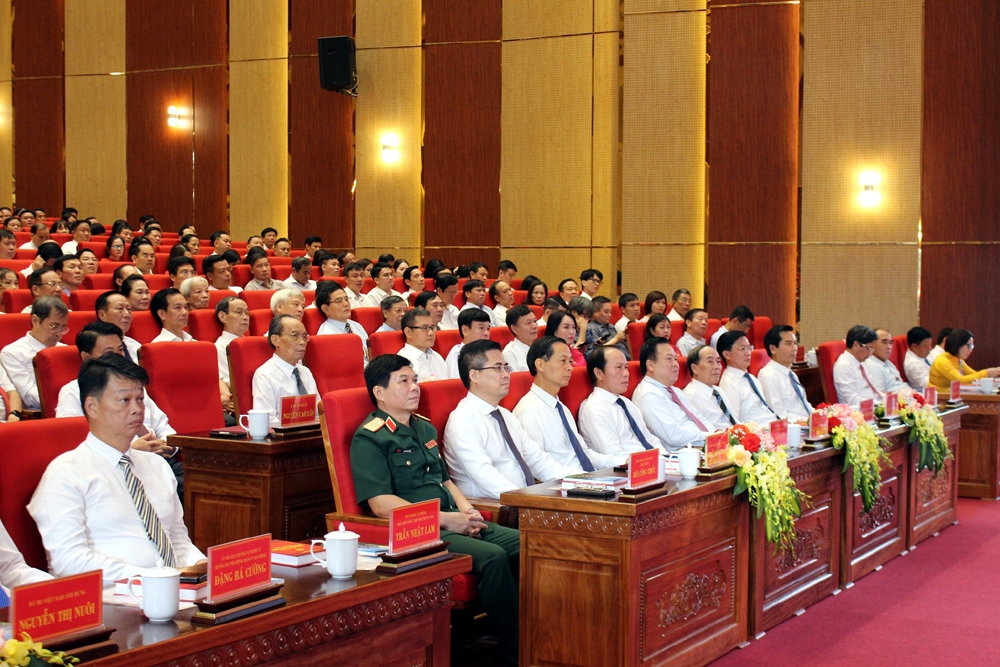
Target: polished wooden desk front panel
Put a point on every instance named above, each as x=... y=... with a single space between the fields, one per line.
x=978 y=448
x=661 y=582
x=934 y=497
x=240 y=488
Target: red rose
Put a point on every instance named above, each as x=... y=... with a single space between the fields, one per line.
x=832 y=423
x=751 y=442
x=822 y=406
x=918 y=399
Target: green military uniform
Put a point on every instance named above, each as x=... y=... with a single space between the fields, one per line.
x=388 y=458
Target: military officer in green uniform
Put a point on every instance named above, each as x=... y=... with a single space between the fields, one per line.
x=396 y=460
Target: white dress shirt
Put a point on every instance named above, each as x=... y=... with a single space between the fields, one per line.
x=13 y=570
x=884 y=375
x=427 y=365
x=688 y=342
x=622 y=324
x=776 y=381
x=493 y=319
x=132 y=345
x=385 y=328
x=538 y=416
x=273 y=381
x=918 y=370
x=27 y=246
x=852 y=388
x=673 y=316
x=374 y=298
x=87 y=518
x=8 y=387
x=310 y=285
x=606 y=429
x=707 y=407
x=478 y=458
x=452 y=360
x=155 y=420
x=357 y=299
x=500 y=315
x=516 y=354
x=586 y=296
x=749 y=405
x=221 y=347
x=17 y=361
x=232 y=288
x=330 y=327
x=935 y=352
x=450 y=318
x=167 y=337
x=70 y=247
x=664 y=417
x=714 y=342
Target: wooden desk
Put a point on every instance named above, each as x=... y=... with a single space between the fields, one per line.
x=239 y=488
x=661 y=582
x=812 y=381
x=978 y=447
x=371 y=620
x=934 y=498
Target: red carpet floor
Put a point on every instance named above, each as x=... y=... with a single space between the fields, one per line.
x=938 y=605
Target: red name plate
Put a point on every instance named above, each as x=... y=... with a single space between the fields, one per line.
x=643 y=468
x=867 y=408
x=930 y=396
x=238 y=566
x=891 y=405
x=58 y=607
x=414 y=526
x=717 y=449
x=779 y=432
x=956 y=390
x=297 y=410
x=818 y=425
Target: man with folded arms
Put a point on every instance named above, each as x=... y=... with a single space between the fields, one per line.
x=105 y=505
x=418 y=330
x=782 y=389
x=609 y=422
x=919 y=342
x=666 y=410
x=283 y=374
x=712 y=404
x=546 y=419
x=49 y=323
x=522 y=323
x=234 y=314
x=170 y=310
x=696 y=326
x=739 y=384
x=850 y=376
x=487 y=450
x=474 y=325
x=879 y=368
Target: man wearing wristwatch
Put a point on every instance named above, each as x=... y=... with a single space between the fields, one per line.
x=10 y=410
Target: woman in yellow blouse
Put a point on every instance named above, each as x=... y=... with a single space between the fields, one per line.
x=950 y=365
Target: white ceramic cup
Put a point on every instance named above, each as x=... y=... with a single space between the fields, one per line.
x=341 y=553
x=258 y=423
x=986 y=385
x=794 y=435
x=688 y=460
x=161 y=593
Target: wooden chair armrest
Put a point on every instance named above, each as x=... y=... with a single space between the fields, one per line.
x=333 y=518
x=502 y=514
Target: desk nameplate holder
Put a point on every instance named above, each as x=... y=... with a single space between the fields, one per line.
x=239 y=605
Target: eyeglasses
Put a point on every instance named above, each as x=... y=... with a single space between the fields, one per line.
x=870 y=348
x=296 y=336
x=53 y=284
x=339 y=300
x=55 y=326
x=971 y=346
x=499 y=368
x=427 y=328
x=744 y=348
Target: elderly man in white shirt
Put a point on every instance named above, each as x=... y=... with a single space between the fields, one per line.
x=418 y=330
x=283 y=374
x=680 y=303
x=919 y=342
x=384 y=277
x=170 y=310
x=474 y=325
x=234 y=314
x=666 y=409
x=609 y=422
x=524 y=325
x=880 y=370
x=696 y=323
x=503 y=295
x=739 y=384
x=849 y=374
x=106 y=505
x=485 y=446
x=545 y=418
x=333 y=301
x=715 y=407
x=782 y=389
x=114 y=308
x=49 y=323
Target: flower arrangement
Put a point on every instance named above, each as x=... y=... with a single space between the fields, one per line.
x=926 y=428
x=862 y=449
x=29 y=653
x=762 y=471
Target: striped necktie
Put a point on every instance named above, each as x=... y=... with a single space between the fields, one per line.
x=154 y=531
x=753 y=385
x=722 y=406
x=798 y=390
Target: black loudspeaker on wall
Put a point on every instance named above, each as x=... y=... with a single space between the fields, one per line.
x=336 y=64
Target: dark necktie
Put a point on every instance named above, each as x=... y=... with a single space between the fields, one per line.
x=926 y=361
x=690 y=415
x=798 y=391
x=128 y=355
x=573 y=440
x=722 y=406
x=301 y=388
x=632 y=424
x=529 y=479
x=149 y=518
x=753 y=385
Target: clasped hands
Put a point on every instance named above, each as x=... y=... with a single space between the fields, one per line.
x=469 y=523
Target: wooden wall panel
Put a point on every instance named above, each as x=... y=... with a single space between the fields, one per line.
x=6 y=95
x=211 y=148
x=39 y=171
x=462 y=21
x=756 y=275
x=210 y=38
x=159 y=34
x=37 y=38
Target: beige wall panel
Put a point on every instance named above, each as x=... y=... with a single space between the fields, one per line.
x=654 y=6
x=258 y=29
x=6 y=142
x=550 y=264
x=94 y=35
x=607 y=125
x=380 y=23
x=607 y=15
x=551 y=18
x=389 y=198
x=409 y=253
x=258 y=146
x=96 y=175
x=545 y=163
x=6 y=36
x=887 y=297
x=664 y=268
x=605 y=260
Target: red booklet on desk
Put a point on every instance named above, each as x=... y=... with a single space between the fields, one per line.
x=293 y=554
x=189 y=592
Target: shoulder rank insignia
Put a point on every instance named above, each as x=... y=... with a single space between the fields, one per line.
x=375 y=424
x=431 y=445
x=414 y=414
x=391 y=425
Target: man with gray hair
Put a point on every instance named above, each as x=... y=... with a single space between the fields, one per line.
x=49 y=323
x=283 y=374
x=301 y=275
x=288 y=301
x=393 y=309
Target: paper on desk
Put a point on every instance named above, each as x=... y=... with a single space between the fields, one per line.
x=368 y=563
x=126 y=601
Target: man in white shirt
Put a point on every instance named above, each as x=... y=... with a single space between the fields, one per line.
x=219 y=274
x=433 y=304
x=288 y=301
x=503 y=295
x=44 y=282
x=81 y=233
x=114 y=308
x=90 y=503
x=939 y=345
x=680 y=304
x=39 y=235
x=880 y=370
x=8 y=244
x=741 y=319
x=739 y=384
x=70 y=270
x=384 y=277
x=506 y=270
x=479 y=271
x=919 y=342
x=170 y=310
x=546 y=419
x=301 y=278
x=49 y=323
x=712 y=404
x=13 y=570
x=475 y=297
x=487 y=450
x=354 y=275
x=221 y=242
x=180 y=269
x=590 y=282
x=45 y=256
x=283 y=374
x=446 y=286
x=474 y=325
x=631 y=307
x=143 y=255
x=332 y=301
x=667 y=412
x=782 y=389
x=418 y=330
x=849 y=375
x=13 y=398
x=696 y=323
x=393 y=308
x=523 y=324
x=609 y=422
x=234 y=314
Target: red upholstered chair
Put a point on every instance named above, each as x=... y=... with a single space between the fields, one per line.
x=16 y=264
x=144 y=328
x=241 y=274
x=16 y=300
x=204 y=325
x=101 y=282
x=616 y=312
x=713 y=326
x=162 y=259
x=437 y=399
x=280 y=261
x=683 y=374
x=636 y=337
x=217 y=295
x=398 y=285
x=312 y=319
x=187 y=392
x=245 y=357
x=577 y=391
x=827 y=354
x=258 y=299
x=281 y=271
x=899 y=348
x=336 y=362
x=369 y=318
x=520 y=384
x=260 y=320
x=29 y=448
x=538 y=311
x=54 y=367
x=758 y=330
x=310 y=296
x=77 y=321
x=677 y=330
x=758 y=359
x=158 y=281
x=25 y=254
x=106 y=266
x=385 y=342
x=501 y=334
x=445 y=340
x=13 y=326
x=635 y=376
x=520 y=296
x=84 y=299
x=100 y=248
x=516 y=283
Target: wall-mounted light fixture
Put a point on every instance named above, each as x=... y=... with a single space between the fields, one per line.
x=870 y=196
x=390 y=148
x=177 y=117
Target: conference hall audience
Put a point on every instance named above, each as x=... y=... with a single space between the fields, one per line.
x=655 y=303
x=332 y=301
x=667 y=411
x=234 y=314
x=630 y=306
x=45 y=257
x=11 y=410
x=219 y=273
x=119 y=275
x=44 y=282
x=70 y=271
x=713 y=404
x=39 y=235
x=600 y=331
x=180 y=269
x=475 y=297
x=657 y=326
x=782 y=388
x=414 y=280
x=81 y=234
x=143 y=255
x=418 y=331
x=197 y=292
x=739 y=383
x=282 y=248
x=354 y=274
x=564 y=326
x=8 y=244
x=384 y=277
x=260 y=267
x=568 y=290
x=446 y=286
x=288 y=301
x=590 y=282
x=503 y=296
x=114 y=308
x=221 y=242
x=741 y=319
x=506 y=271
x=283 y=374
x=432 y=303
x=137 y=292
x=301 y=278
x=49 y=323
x=939 y=343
